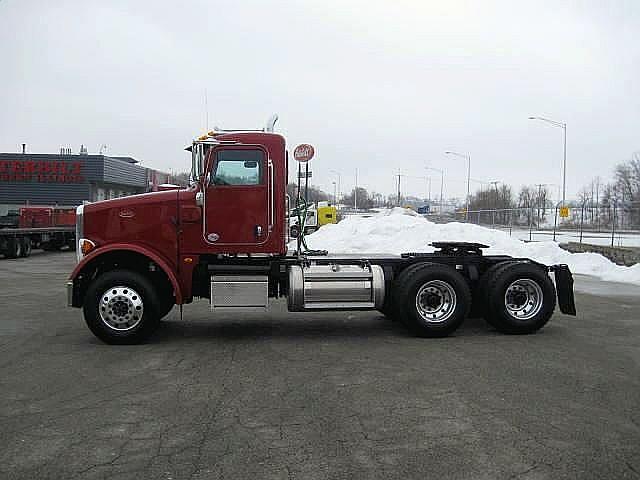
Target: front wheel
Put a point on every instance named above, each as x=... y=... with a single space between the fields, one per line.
x=431 y=299
x=120 y=307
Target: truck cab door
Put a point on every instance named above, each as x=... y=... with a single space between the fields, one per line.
x=237 y=199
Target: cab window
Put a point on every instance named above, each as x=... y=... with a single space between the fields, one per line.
x=238 y=167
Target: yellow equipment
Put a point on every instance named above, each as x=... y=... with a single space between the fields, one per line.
x=327 y=214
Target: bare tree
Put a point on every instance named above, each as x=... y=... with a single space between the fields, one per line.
x=492 y=199
x=364 y=200
x=314 y=193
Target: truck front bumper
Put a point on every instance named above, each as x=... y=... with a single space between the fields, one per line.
x=73 y=294
x=564 y=289
x=70 y=293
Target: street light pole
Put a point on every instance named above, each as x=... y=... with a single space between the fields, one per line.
x=564 y=165
x=563 y=126
x=468 y=157
x=339 y=191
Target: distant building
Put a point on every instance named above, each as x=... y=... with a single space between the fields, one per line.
x=70 y=179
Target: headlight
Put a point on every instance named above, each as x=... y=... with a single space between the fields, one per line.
x=85 y=246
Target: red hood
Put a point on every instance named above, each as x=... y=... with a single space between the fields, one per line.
x=148 y=220
x=132 y=200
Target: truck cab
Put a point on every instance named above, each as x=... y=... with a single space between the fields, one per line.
x=224 y=239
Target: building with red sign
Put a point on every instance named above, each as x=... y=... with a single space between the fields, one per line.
x=68 y=179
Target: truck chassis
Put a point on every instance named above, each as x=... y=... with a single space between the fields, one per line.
x=430 y=293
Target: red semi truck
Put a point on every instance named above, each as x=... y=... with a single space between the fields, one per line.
x=46 y=227
x=225 y=239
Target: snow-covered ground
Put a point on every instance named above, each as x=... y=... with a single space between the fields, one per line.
x=400 y=230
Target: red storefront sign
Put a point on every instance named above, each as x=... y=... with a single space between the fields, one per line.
x=46 y=171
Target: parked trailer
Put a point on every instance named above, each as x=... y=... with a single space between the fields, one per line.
x=224 y=239
x=49 y=228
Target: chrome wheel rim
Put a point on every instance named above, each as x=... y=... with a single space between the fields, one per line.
x=523 y=299
x=436 y=301
x=121 y=308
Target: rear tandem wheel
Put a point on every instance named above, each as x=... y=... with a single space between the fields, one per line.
x=518 y=297
x=432 y=300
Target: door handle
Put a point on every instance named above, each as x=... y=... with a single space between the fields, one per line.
x=258 y=230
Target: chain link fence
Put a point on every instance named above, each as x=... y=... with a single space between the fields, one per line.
x=613 y=225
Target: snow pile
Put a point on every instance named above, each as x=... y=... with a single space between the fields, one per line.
x=400 y=230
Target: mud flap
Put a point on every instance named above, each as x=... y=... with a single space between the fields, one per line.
x=564 y=288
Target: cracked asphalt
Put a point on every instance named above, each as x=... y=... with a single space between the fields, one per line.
x=313 y=396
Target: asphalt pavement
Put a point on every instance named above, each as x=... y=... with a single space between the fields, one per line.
x=313 y=396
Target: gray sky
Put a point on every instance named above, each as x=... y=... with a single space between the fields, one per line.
x=374 y=85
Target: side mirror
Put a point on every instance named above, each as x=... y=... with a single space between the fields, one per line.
x=200 y=199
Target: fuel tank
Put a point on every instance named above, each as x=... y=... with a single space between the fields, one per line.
x=335 y=287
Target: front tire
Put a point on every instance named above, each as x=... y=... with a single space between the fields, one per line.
x=14 y=248
x=166 y=305
x=520 y=298
x=432 y=300
x=26 y=247
x=121 y=307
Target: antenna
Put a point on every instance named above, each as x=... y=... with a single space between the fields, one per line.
x=206 y=110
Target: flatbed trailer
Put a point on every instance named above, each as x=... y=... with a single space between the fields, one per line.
x=225 y=239
x=18 y=242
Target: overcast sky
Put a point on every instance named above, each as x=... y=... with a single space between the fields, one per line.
x=373 y=85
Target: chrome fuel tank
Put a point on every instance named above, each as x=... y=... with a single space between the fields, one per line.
x=335 y=287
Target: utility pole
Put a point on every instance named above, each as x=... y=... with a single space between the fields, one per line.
x=598 y=202
x=539 y=195
x=398 y=188
x=495 y=203
x=495 y=185
x=441 y=184
x=355 y=193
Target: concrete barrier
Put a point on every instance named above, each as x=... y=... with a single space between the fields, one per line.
x=620 y=255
